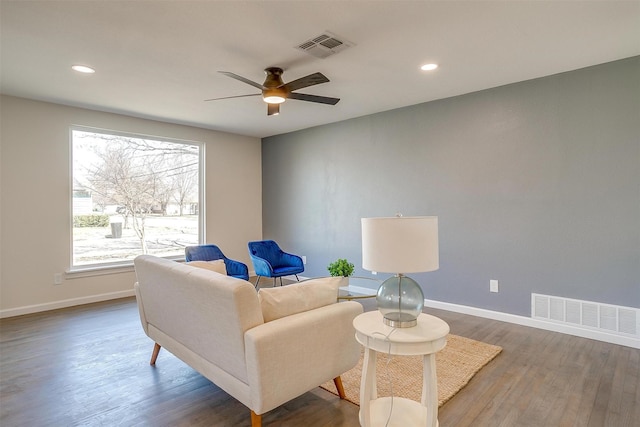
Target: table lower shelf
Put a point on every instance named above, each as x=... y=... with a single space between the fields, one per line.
x=405 y=412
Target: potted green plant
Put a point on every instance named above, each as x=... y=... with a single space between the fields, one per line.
x=341 y=267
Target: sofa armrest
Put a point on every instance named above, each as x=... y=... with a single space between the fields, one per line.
x=292 y=355
x=143 y=317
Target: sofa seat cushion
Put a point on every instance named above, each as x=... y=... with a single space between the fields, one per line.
x=292 y=299
x=216 y=265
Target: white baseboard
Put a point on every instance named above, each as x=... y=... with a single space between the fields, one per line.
x=30 y=309
x=528 y=321
x=456 y=308
x=535 y=323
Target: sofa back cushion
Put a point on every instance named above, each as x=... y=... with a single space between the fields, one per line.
x=205 y=311
x=291 y=299
x=216 y=265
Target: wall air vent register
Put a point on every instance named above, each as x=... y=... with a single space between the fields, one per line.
x=613 y=319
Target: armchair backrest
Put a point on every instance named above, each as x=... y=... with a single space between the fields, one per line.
x=267 y=250
x=203 y=253
x=211 y=252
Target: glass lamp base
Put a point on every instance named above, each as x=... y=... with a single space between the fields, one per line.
x=399 y=320
x=400 y=300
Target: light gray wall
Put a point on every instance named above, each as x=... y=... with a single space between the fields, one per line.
x=536 y=184
x=35 y=224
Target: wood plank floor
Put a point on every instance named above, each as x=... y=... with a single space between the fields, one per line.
x=89 y=366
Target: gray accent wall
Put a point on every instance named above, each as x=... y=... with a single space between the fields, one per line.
x=536 y=184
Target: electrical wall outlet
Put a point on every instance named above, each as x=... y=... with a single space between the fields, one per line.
x=304 y=259
x=57 y=279
x=493 y=286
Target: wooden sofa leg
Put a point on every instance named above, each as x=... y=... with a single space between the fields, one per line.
x=256 y=420
x=338 y=382
x=154 y=355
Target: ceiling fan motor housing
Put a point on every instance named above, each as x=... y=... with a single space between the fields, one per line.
x=273 y=92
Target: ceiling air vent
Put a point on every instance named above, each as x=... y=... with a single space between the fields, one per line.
x=324 y=45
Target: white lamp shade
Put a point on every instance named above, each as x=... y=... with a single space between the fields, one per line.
x=400 y=244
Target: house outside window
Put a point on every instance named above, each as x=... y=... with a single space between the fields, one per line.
x=133 y=195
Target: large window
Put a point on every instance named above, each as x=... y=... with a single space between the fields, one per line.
x=133 y=195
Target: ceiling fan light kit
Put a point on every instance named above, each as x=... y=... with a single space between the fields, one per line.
x=273 y=99
x=275 y=91
x=274 y=96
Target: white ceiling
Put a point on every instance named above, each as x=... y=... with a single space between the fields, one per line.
x=159 y=59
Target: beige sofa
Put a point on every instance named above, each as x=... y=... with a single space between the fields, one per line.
x=263 y=350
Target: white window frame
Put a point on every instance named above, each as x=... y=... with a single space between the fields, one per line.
x=76 y=271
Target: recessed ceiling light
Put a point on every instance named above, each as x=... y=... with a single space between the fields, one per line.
x=429 y=67
x=83 y=69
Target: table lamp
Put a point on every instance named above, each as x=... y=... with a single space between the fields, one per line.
x=400 y=245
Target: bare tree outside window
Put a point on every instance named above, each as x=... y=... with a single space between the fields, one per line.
x=143 y=197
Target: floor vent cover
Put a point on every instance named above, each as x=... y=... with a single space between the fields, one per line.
x=324 y=45
x=592 y=315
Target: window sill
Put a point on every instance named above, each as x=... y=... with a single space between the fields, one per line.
x=101 y=270
x=97 y=270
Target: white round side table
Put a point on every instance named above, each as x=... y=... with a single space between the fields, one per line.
x=426 y=339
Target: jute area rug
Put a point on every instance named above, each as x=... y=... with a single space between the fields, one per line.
x=456 y=364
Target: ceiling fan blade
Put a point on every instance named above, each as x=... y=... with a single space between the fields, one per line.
x=314 y=98
x=236 y=96
x=273 y=109
x=242 y=79
x=306 y=81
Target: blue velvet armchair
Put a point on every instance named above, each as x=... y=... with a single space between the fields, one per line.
x=212 y=252
x=271 y=261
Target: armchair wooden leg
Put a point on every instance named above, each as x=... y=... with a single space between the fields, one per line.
x=338 y=382
x=256 y=420
x=154 y=355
